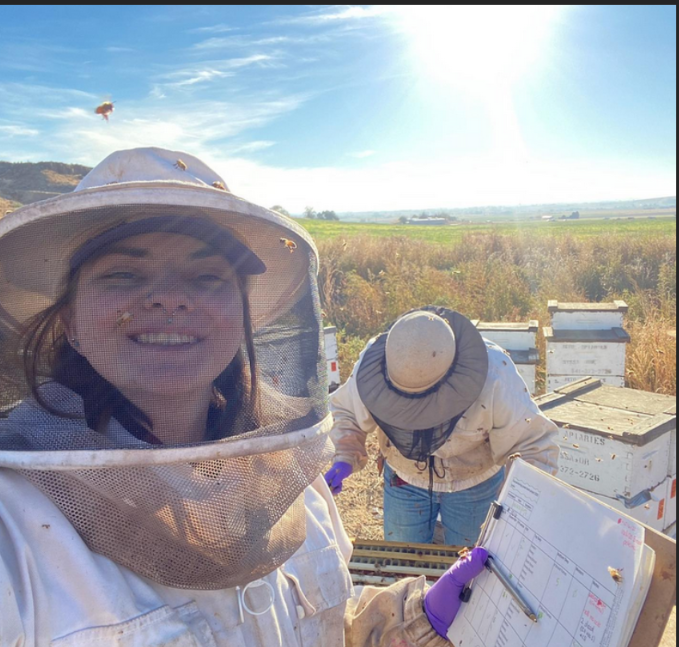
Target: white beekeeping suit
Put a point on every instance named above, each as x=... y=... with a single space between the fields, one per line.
x=157 y=487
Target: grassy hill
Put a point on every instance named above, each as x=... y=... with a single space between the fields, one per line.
x=28 y=182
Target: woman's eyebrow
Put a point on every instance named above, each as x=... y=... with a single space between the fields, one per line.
x=206 y=252
x=134 y=252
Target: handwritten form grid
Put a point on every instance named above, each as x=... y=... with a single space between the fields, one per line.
x=556 y=548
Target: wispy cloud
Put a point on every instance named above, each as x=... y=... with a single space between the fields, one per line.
x=251 y=147
x=33 y=55
x=362 y=154
x=213 y=29
x=243 y=41
x=200 y=76
x=119 y=50
x=80 y=136
x=337 y=16
x=18 y=131
x=25 y=103
x=206 y=73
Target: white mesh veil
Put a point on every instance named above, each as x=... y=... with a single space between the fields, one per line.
x=92 y=356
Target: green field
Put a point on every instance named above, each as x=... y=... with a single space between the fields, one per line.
x=370 y=274
x=584 y=228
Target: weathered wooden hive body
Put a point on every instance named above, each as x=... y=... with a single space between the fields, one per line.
x=519 y=340
x=586 y=339
x=619 y=445
x=332 y=357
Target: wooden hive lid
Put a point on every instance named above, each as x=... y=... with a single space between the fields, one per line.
x=616 y=306
x=503 y=326
x=631 y=416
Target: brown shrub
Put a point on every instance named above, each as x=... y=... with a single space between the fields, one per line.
x=367 y=282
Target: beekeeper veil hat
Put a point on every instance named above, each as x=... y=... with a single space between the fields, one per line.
x=117 y=300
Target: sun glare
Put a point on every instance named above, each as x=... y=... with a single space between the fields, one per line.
x=469 y=46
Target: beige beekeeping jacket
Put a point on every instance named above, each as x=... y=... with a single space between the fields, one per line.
x=503 y=421
x=54 y=592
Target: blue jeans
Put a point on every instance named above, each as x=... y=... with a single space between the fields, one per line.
x=410 y=515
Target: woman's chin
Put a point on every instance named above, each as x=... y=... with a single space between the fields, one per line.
x=167 y=383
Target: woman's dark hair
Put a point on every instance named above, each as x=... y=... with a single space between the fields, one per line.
x=47 y=354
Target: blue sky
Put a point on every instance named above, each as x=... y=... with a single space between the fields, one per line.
x=356 y=107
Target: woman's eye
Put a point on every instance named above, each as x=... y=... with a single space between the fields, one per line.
x=210 y=278
x=123 y=277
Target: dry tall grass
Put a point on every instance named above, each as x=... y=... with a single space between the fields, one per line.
x=366 y=283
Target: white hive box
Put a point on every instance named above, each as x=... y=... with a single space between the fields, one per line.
x=332 y=357
x=673 y=451
x=671 y=510
x=587 y=316
x=586 y=339
x=519 y=340
x=650 y=510
x=614 y=442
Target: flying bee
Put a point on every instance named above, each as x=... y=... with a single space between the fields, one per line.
x=219 y=185
x=289 y=244
x=181 y=165
x=104 y=109
x=613 y=456
x=616 y=575
x=124 y=318
x=576 y=446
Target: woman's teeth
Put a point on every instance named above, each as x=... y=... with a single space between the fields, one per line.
x=165 y=339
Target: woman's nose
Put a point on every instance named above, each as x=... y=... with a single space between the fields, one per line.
x=169 y=297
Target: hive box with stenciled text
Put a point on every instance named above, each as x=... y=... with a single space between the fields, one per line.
x=586 y=339
x=614 y=442
x=519 y=340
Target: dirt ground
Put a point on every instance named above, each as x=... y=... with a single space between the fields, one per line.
x=360 y=504
x=670 y=639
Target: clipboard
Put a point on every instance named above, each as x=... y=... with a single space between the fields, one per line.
x=662 y=596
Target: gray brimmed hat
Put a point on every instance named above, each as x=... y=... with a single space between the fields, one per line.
x=426 y=371
x=38 y=241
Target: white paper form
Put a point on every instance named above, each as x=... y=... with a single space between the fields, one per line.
x=556 y=545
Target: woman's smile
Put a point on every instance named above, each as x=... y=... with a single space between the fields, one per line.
x=165 y=339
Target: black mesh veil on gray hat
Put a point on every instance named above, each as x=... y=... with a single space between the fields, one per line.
x=419 y=423
x=211 y=513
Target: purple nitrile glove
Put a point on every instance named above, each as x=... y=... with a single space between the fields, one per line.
x=336 y=475
x=442 y=601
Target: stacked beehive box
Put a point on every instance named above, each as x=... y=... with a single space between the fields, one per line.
x=519 y=340
x=586 y=339
x=616 y=444
x=332 y=357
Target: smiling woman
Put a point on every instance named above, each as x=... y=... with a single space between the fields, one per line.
x=156 y=488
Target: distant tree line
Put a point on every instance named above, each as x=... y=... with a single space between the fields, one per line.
x=309 y=213
x=312 y=214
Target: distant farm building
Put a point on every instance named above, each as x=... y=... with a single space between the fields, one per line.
x=548 y=218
